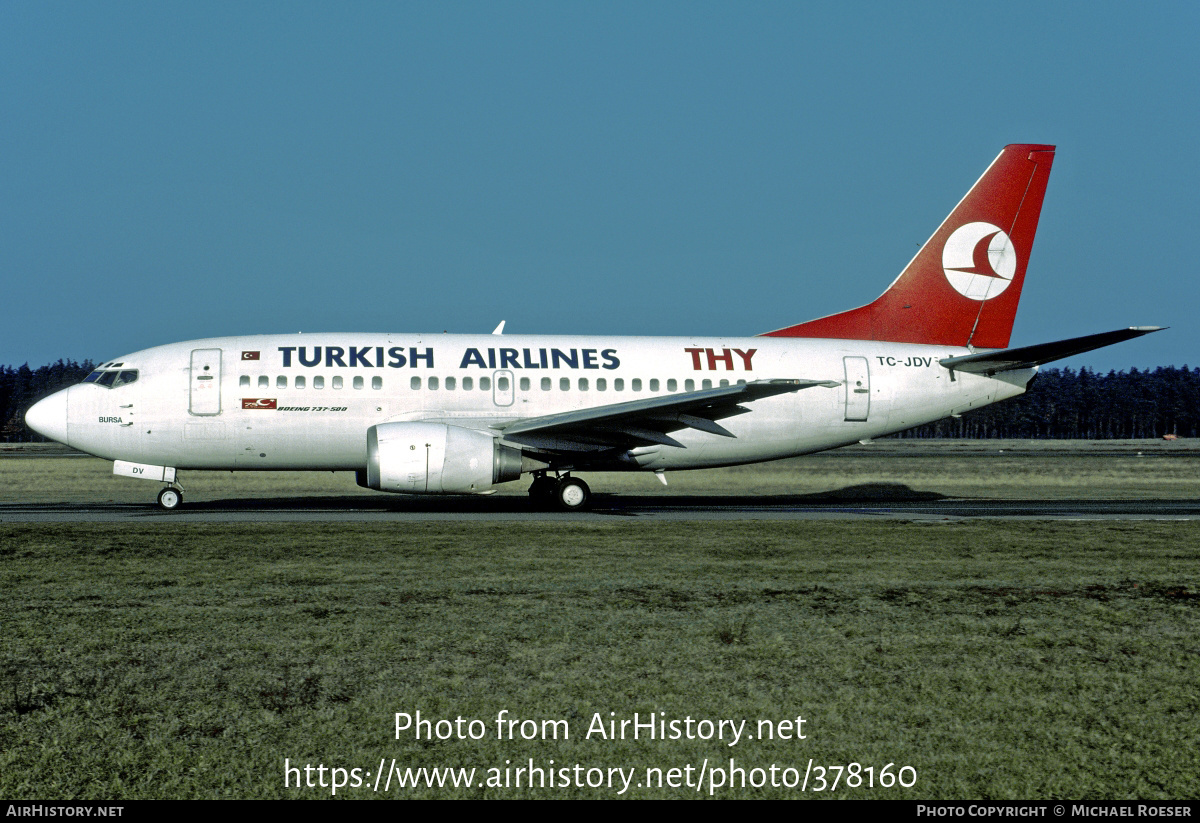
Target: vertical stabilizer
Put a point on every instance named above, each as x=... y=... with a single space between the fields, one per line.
x=963 y=286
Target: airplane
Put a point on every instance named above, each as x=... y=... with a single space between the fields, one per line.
x=463 y=414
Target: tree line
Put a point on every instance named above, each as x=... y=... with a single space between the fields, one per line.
x=22 y=386
x=1060 y=404
x=1086 y=405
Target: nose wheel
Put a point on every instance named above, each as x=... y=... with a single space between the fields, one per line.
x=170 y=498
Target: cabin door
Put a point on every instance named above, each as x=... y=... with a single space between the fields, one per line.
x=205 y=380
x=858 y=389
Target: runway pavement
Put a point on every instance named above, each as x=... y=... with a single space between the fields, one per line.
x=606 y=508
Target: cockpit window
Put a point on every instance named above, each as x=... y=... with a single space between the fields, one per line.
x=111 y=378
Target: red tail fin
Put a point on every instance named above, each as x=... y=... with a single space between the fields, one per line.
x=963 y=286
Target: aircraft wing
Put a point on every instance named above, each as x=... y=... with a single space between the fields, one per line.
x=1026 y=357
x=647 y=422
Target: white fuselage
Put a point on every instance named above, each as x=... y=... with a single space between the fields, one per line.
x=305 y=402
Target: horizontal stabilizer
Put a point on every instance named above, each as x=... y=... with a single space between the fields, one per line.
x=1026 y=357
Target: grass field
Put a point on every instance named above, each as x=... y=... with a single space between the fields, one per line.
x=997 y=660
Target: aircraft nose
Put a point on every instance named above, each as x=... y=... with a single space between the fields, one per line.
x=48 y=417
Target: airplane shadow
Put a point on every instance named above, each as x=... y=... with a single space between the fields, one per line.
x=602 y=503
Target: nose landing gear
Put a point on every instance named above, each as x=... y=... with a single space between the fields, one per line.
x=170 y=498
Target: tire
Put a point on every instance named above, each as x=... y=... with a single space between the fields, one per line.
x=170 y=499
x=572 y=495
x=542 y=489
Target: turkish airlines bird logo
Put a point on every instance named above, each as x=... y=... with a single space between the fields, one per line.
x=979 y=260
x=259 y=403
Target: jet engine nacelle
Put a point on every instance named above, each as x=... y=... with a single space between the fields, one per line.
x=434 y=458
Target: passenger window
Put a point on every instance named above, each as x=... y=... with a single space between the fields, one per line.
x=358 y=382
x=546 y=384
x=654 y=384
x=244 y=380
x=433 y=384
x=501 y=384
x=415 y=383
x=524 y=384
x=485 y=384
x=451 y=383
x=672 y=385
x=264 y=381
x=318 y=382
x=724 y=383
x=636 y=384
x=619 y=384
x=583 y=384
x=377 y=383
x=281 y=382
x=300 y=382
x=689 y=385
x=601 y=384
x=741 y=382
x=337 y=382
x=564 y=384
x=707 y=384
x=468 y=383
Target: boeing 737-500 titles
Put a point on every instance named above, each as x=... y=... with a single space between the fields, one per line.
x=462 y=414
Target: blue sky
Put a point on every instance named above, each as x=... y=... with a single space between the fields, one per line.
x=182 y=170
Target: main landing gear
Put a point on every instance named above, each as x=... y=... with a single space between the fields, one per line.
x=565 y=493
